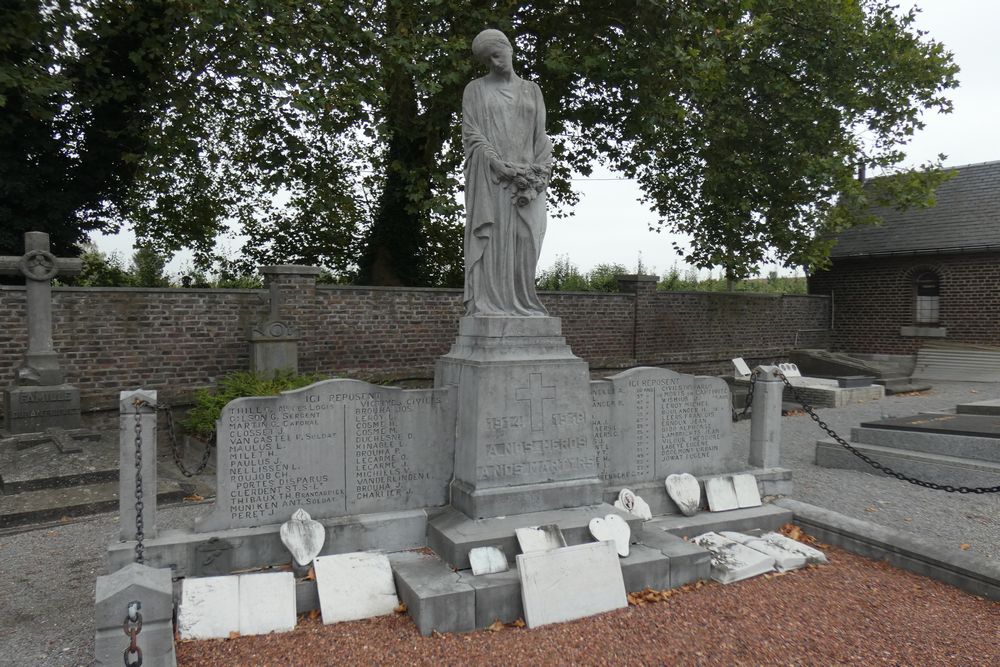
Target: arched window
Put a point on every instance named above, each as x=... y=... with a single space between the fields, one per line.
x=928 y=294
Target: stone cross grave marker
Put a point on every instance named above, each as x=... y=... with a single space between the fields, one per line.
x=39 y=397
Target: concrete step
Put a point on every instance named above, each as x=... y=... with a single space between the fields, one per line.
x=945 y=444
x=991 y=407
x=29 y=507
x=764 y=518
x=937 y=468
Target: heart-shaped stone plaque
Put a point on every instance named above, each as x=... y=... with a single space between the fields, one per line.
x=684 y=490
x=303 y=536
x=633 y=504
x=612 y=527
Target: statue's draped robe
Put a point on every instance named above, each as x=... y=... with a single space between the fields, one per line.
x=502 y=240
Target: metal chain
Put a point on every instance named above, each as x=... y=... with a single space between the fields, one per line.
x=175 y=450
x=875 y=464
x=132 y=627
x=139 y=535
x=749 y=401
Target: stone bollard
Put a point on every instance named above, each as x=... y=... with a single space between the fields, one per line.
x=765 y=424
x=153 y=590
x=126 y=475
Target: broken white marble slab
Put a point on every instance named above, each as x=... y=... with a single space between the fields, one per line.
x=731 y=561
x=572 y=582
x=354 y=585
x=487 y=560
x=721 y=494
x=612 y=527
x=685 y=491
x=742 y=369
x=303 y=537
x=784 y=560
x=633 y=504
x=747 y=493
x=539 y=538
x=209 y=607
x=267 y=603
x=812 y=555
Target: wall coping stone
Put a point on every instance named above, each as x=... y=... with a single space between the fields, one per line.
x=290 y=269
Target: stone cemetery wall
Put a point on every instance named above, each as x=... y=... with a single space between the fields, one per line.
x=876 y=297
x=178 y=340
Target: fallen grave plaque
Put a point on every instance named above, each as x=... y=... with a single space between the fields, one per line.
x=652 y=422
x=334 y=448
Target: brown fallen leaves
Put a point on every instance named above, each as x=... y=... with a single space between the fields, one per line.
x=792 y=531
x=499 y=625
x=400 y=608
x=194 y=498
x=651 y=595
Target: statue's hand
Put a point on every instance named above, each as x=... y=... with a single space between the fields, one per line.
x=504 y=170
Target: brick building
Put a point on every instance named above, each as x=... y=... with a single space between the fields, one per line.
x=922 y=276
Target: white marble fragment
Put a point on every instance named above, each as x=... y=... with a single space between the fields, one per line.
x=303 y=537
x=812 y=555
x=209 y=607
x=612 y=527
x=790 y=370
x=354 y=585
x=684 y=490
x=633 y=504
x=784 y=560
x=731 y=561
x=573 y=582
x=747 y=493
x=267 y=603
x=721 y=494
x=487 y=560
x=742 y=370
x=539 y=538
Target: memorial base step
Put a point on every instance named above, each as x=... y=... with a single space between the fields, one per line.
x=452 y=534
x=764 y=518
x=991 y=407
x=936 y=468
x=39 y=506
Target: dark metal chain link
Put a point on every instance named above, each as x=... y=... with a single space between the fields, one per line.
x=175 y=449
x=873 y=463
x=749 y=401
x=139 y=505
x=132 y=627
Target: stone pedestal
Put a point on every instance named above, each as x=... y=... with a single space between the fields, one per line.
x=523 y=439
x=33 y=409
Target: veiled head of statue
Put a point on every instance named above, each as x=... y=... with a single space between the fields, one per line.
x=487 y=42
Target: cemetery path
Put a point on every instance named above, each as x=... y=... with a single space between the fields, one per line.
x=47 y=576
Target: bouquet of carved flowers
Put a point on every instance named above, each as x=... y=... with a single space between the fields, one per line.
x=528 y=182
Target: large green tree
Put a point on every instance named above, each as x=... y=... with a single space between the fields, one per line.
x=328 y=131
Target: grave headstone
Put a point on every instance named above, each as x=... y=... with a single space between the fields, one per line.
x=488 y=560
x=721 y=494
x=685 y=491
x=39 y=397
x=731 y=561
x=303 y=537
x=539 y=538
x=652 y=422
x=248 y=604
x=274 y=340
x=355 y=586
x=612 y=527
x=334 y=448
x=784 y=559
x=742 y=369
x=569 y=583
x=747 y=493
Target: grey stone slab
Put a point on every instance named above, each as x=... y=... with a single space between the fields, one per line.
x=586 y=579
x=687 y=562
x=764 y=518
x=436 y=597
x=987 y=426
x=645 y=567
x=33 y=409
x=721 y=494
x=947 y=444
x=354 y=586
x=785 y=559
x=196 y=554
x=990 y=407
x=747 y=491
x=652 y=422
x=824 y=396
x=452 y=534
x=334 y=448
x=507 y=500
x=967 y=571
x=498 y=596
x=946 y=470
x=537 y=538
x=153 y=589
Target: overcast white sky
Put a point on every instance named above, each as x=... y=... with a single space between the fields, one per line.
x=610 y=225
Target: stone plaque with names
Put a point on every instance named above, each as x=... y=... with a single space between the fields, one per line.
x=652 y=422
x=334 y=448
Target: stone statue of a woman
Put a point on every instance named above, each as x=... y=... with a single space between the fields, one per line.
x=508 y=161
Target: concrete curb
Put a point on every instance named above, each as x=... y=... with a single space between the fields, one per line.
x=969 y=572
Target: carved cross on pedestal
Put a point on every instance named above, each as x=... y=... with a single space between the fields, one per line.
x=39 y=267
x=535 y=394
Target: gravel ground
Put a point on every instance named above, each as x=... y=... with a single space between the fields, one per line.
x=47 y=575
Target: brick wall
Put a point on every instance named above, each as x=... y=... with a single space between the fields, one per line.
x=178 y=340
x=873 y=298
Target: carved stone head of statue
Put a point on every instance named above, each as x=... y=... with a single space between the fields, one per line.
x=492 y=48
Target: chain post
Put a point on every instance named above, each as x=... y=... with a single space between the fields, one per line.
x=132 y=627
x=947 y=488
